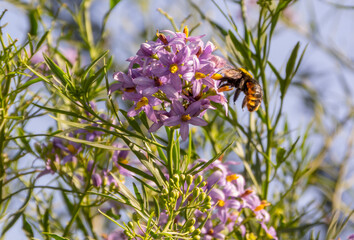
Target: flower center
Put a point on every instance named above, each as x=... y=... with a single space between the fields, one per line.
x=199 y=75
x=231 y=177
x=247 y=192
x=211 y=231
x=124 y=161
x=221 y=203
x=131 y=89
x=224 y=88
x=71 y=148
x=158 y=82
x=216 y=76
x=142 y=102
x=263 y=204
x=173 y=68
x=186 y=118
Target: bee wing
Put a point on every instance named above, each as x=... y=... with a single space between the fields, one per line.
x=233 y=73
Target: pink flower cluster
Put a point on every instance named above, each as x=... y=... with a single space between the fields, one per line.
x=173 y=80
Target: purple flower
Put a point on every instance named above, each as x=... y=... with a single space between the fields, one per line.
x=212 y=232
x=96 y=180
x=223 y=203
x=174 y=68
x=271 y=233
x=351 y=237
x=184 y=117
x=70 y=149
x=143 y=103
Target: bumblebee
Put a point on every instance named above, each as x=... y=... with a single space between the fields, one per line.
x=243 y=82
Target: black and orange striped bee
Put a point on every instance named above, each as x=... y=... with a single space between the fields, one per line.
x=243 y=82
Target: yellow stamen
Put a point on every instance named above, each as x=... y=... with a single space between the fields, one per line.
x=221 y=203
x=173 y=68
x=71 y=148
x=211 y=231
x=162 y=37
x=245 y=72
x=124 y=161
x=199 y=75
x=247 y=192
x=186 y=118
x=224 y=89
x=263 y=204
x=186 y=31
x=217 y=76
x=232 y=177
x=142 y=102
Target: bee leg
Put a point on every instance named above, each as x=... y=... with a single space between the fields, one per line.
x=244 y=102
x=237 y=93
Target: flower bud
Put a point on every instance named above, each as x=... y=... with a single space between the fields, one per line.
x=198 y=180
x=196 y=232
x=189 y=179
x=131 y=225
x=190 y=222
x=164 y=191
x=176 y=177
x=204 y=183
x=196 y=192
x=202 y=196
x=191 y=229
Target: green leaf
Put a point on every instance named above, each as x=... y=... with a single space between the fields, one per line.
x=277 y=74
x=205 y=165
x=27 y=227
x=132 y=122
x=58 y=72
x=32 y=16
x=41 y=41
x=55 y=236
x=113 y=214
x=18 y=213
x=280 y=155
x=26 y=85
x=92 y=144
x=137 y=171
x=157 y=209
x=113 y=3
x=292 y=59
x=146 y=185
x=138 y=196
x=88 y=69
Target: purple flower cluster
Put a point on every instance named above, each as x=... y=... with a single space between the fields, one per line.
x=63 y=155
x=173 y=80
x=230 y=197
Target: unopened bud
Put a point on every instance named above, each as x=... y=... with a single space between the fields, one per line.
x=196 y=192
x=203 y=184
x=198 y=180
x=202 y=196
x=189 y=179
x=191 y=229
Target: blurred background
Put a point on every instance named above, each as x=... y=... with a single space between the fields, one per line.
x=319 y=102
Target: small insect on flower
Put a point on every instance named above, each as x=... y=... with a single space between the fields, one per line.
x=243 y=82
